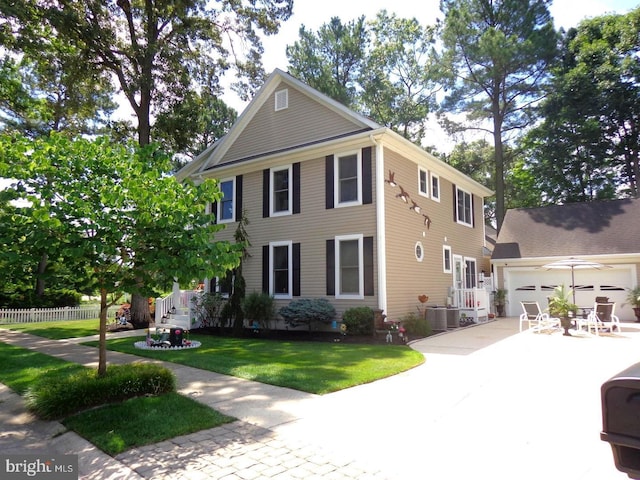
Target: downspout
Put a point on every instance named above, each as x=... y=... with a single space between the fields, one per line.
x=381 y=227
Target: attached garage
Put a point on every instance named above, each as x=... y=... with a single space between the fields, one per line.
x=536 y=284
x=606 y=232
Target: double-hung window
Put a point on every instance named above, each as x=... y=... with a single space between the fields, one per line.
x=281 y=191
x=464 y=210
x=348 y=178
x=349 y=267
x=435 y=187
x=281 y=268
x=226 y=206
x=423 y=182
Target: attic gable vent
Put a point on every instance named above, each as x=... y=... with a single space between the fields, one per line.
x=282 y=99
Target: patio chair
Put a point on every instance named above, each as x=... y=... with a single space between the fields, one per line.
x=536 y=319
x=601 y=317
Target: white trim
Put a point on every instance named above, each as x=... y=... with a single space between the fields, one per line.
x=336 y=179
x=289 y=245
x=272 y=202
x=381 y=226
x=233 y=202
x=436 y=177
x=424 y=193
x=347 y=238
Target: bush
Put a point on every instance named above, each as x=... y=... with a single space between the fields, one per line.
x=26 y=298
x=305 y=311
x=259 y=307
x=359 y=321
x=416 y=326
x=207 y=307
x=53 y=396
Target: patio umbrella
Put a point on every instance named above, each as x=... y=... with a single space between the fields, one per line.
x=573 y=264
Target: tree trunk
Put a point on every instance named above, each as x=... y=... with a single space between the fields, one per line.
x=140 y=316
x=40 y=283
x=499 y=161
x=102 y=348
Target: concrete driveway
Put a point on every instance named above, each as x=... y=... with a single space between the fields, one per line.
x=489 y=403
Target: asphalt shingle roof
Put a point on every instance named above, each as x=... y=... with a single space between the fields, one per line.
x=593 y=228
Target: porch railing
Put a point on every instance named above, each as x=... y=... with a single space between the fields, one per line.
x=178 y=300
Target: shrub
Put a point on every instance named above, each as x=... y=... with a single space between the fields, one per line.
x=26 y=298
x=52 y=396
x=305 y=311
x=416 y=326
x=207 y=307
x=259 y=307
x=359 y=321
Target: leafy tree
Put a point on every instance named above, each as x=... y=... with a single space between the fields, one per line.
x=587 y=147
x=115 y=207
x=498 y=54
x=398 y=80
x=157 y=49
x=190 y=126
x=52 y=88
x=331 y=59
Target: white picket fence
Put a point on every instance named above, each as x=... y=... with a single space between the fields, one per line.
x=33 y=315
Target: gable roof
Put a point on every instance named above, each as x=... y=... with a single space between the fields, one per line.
x=359 y=128
x=606 y=227
x=215 y=152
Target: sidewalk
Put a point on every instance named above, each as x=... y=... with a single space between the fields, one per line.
x=488 y=403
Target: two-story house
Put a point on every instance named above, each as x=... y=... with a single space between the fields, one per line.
x=341 y=207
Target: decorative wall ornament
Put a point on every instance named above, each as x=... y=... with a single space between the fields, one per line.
x=390 y=180
x=404 y=196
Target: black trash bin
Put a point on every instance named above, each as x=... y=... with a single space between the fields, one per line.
x=175 y=337
x=621 y=419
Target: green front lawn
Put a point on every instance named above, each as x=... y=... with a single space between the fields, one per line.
x=142 y=421
x=59 y=329
x=116 y=427
x=314 y=367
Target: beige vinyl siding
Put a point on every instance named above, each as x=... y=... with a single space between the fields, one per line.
x=311 y=228
x=406 y=277
x=303 y=122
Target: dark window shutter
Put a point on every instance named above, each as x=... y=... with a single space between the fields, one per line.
x=214 y=210
x=367 y=177
x=329 y=181
x=265 y=269
x=455 y=204
x=238 y=198
x=213 y=285
x=296 y=269
x=296 y=187
x=266 y=192
x=331 y=267
x=367 y=254
x=473 y=212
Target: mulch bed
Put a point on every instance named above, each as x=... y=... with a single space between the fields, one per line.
x=306 y=336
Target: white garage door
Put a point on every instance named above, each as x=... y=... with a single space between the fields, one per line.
x=536 y=284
